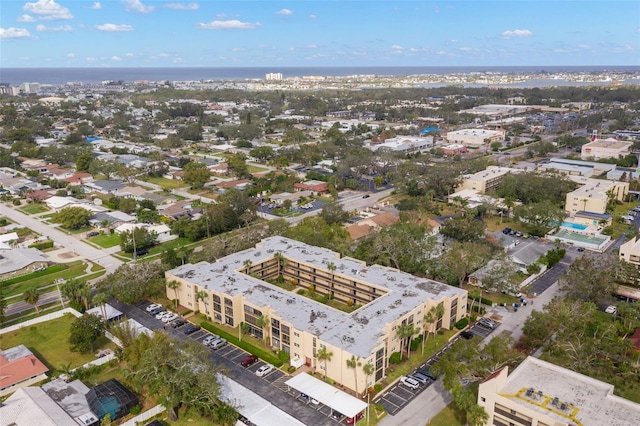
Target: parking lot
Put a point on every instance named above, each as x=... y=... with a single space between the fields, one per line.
x=305 y=207
x=230 y=356
x=397 y=396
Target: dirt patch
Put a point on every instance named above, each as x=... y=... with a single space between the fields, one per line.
x=66 y=255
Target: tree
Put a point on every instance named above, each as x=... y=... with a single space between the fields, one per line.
x=196 y=174
x=170 y=258
x=73 y=217
x=368 y=369
x=83 y=162
x=175 y=286
x=323 y=354
x=333 y=212
x=78 y=292
x=32 y=296
x=404 y=333
x=354 y=363
x=332 y=268
x=137 y=239
x=590 y=278
x=3 y=305
x=263 y=322
x=180 y=375
x=85 y=332
x=464 y=228
x=101 y=300
x=109 y=168
x=430 y=319
x=459 y=261
x=237 y=164
x=127 y=205
x=262 y=153
x=202 y=296
x=133 y=282
x=537 y=217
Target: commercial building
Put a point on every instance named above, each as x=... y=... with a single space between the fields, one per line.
x=605 y=148
x=236 y=290
x=538 y=393
x=404 y=144
x=487 y=179
x=593 y=195
x=475 y=137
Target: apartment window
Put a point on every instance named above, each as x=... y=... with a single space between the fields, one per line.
x=228 y=310
x=228 y=320
x=285 y=329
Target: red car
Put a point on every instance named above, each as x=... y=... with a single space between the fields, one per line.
x=248 y=360
x=353 y=420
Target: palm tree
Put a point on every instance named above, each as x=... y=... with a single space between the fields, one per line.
x=31 y=297
x=354 y=362
x=101 y=300
x=282 y=262
x=202 y=295
x=247 y=264
x=323 y=354
x=331 y=267
x=430 y=318
x=175 y=286
x=509 y=202
x=368 y=369
x=404 y=332
x=263 y=322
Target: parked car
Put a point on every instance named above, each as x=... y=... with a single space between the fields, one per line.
x=169 y=318
x=93 y=234
x=264 y=370
x=141 y=252
x=178 y=323
x=162 y=314
x=409 y=382
x=337 y=416
x=506 y=231
x=611 y=310
x=153 y=306
x=210 y=339
x=156 y=311
x=366 y=196
x=467 y=335
x=191 y=328
x=418 y=377
x=425 y=371
x=353 y=420
x=217 y=344
x=487 y=323
x=248 y=360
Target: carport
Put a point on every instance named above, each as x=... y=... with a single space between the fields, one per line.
x=333 y=398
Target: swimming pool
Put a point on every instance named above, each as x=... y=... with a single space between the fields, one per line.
x=571 y=225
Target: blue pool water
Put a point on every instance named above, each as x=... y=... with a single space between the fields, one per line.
x=578 y=226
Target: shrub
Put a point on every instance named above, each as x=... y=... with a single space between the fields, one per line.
x=462 y=323
x=135 y=410
x=42 y=245
x=481 y=310
x=440 y=332
x=283 y=356
x=395 y=358
x=415 y=343
x=16 y=202
x=291 y=369
x=377 y=387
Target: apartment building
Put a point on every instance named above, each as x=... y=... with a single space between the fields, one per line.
x=475 y=137
x=487 y=179
x=593 y=195
x=630 y=251
x=236 y=289
x=538 y=393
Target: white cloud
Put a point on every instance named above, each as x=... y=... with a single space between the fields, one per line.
x=313 y=16
x=116 y=58
x=397 y=47
x=8 y=33
x=517 y=33
x=128 y=55
x=91 y=59
x=561 y=51
x=25 y=18
x=284 y=12
x=114 y=27
x=48 y=10
x=61 y=28
x=312 y=46
x=183 y=6
x=231 y=24
x=96 y=6
x=137 y=6
x=71 y=55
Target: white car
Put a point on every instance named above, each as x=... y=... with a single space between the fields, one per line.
x=611 y=310
x=169 y=318
x=210 y=339
x=153 y=306
x=162 y=314
x=410 y=383
x=264 y=370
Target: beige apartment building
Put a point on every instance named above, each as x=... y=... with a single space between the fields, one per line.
x=630 y=251
x=235 y=289
x=487 y=179
x=593 y=195
x=605 y=148
x=538 y=393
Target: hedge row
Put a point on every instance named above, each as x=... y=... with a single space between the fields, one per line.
x=482 y=300
x=42 y=245
x=261 y=353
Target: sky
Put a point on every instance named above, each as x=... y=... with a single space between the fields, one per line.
x=300 y=33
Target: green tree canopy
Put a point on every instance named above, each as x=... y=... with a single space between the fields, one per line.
x=73 y=217
x=85 y=332
x=137 y=239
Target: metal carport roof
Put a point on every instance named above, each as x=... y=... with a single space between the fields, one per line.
x=334 y=398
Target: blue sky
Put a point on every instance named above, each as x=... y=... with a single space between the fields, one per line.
x=238 y=33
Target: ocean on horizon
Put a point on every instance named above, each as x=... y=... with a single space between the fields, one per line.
x=58 y=76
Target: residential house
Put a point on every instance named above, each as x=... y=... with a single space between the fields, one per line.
x=180 y=209
x=19 y=261
x=104 y=186
x=163 y=231
x=19 y=367
x=316 y=186
x=371 y=224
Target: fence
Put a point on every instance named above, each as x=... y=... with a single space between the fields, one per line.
x=139 y=419
x=43 y=318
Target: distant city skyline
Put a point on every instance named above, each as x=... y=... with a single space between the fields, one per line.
x=225 y=33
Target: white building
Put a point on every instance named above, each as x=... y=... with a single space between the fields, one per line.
x=475 y=137
x=404 y=144
x=605 y=148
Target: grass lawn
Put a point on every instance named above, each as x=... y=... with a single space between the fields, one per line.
x=158 y=249
x=49 y=342
x=106 y=240
x=256 y=169
x=72 y=270
x=449 y=416
x=167 y=183
x=35 y=208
